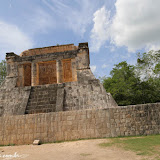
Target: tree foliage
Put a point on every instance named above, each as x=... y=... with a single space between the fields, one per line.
x=2 y=70
x=148 y=65
x=136 y=84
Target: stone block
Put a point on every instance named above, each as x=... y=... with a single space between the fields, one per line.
x=36 y=142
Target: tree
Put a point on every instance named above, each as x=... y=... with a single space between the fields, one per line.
x=2 y=70
x=148 y=65
x=148 y=69
x=136 y=84
x=122 y=83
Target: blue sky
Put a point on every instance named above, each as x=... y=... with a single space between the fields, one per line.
x=115 y=29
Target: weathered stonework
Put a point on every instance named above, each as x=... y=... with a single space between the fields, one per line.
x=70 y=125
x=51 y=79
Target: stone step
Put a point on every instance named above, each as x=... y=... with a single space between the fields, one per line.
x=45 y=86
x=41 y=104
x=42 y=99
x=41 y=107
x=43 y=89
x=43 y=93
x=34 y=111
x=42 y=96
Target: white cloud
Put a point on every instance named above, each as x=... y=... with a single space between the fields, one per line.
x=12 y=39
x=154 y=47
x=93 y=68
x=136 y=25
x=75 y=16
x=100 y=31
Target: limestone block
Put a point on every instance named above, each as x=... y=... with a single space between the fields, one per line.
x=36 y=142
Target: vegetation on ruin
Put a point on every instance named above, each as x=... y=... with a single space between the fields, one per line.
x=136 y=84
x=2 y=70
x=143 y=145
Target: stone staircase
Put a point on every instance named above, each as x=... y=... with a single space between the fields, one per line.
x=42 y=99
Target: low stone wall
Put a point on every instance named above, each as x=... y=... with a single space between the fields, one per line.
x=69 y=125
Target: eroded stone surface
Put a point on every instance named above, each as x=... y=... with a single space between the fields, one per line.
x=92 y=123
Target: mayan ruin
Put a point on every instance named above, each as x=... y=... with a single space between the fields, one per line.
x=51 y=79
x=79 y=80
x=50 y=94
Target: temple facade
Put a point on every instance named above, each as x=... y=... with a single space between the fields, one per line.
x=48 y=65
x=51 y=79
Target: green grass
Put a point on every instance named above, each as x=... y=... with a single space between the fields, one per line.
x=7 y=145
x=142 y=145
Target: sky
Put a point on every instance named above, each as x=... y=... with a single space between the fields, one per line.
x=116 y=30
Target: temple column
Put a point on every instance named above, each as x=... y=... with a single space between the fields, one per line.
x=34 y=74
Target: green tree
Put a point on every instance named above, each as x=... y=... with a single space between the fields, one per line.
x=136 y=84
x=148 y=69
x=148 y=65
x=2 y=70
x=122 y=83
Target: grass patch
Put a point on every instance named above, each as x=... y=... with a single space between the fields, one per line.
x=142 y=145
x=7 y=145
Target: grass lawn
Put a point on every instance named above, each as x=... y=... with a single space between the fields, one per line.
x=147 y=146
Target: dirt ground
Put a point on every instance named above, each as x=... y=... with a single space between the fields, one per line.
x=75 y=150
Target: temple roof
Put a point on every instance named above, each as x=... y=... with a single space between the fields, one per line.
x=50 y=49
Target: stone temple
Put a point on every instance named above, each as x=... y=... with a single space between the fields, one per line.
x=50 y=94
x=51 y=79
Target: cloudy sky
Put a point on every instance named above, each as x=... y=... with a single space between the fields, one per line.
x=115 y=29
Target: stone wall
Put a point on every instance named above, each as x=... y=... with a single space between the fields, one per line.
x=13 y=100
x=87 y=95
x=94 y=123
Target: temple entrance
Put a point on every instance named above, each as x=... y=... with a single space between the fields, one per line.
x=27 y=74
x=67 y=70
x=47 y=73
